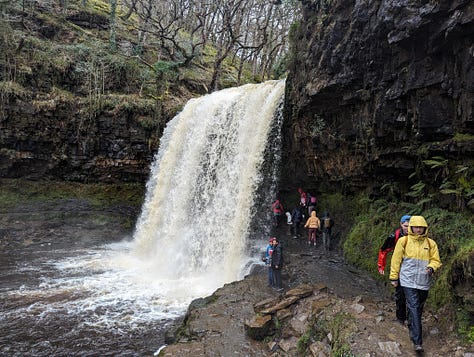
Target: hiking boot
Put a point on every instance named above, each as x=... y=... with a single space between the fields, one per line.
x=419 y=348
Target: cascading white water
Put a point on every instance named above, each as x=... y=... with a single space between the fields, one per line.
x=208 y=185
x=195 y=220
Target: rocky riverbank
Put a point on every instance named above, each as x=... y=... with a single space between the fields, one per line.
x=327 y=305
x=328 y=308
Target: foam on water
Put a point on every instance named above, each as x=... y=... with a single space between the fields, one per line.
x=195 y=222
x=193 y=233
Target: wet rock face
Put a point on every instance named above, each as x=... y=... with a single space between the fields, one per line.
x=370 y=78
x=63 y=142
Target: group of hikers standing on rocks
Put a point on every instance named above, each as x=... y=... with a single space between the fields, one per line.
x=303 y=215
x=414 y=261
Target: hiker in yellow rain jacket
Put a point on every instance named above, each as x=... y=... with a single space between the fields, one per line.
x=414 y=261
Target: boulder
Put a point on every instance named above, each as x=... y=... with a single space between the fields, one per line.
x=320 y=349
x=259 y=326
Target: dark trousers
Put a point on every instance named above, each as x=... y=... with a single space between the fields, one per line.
x=415 y=299
x=327 y=239
x=277 y=278
x=400 y=303
x=312 y=235
x=296 y=228
x=276 y=219
x=270 y=276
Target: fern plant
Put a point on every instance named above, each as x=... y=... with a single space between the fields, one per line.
x=440 y=164
x=462 y=187
x=417 y=190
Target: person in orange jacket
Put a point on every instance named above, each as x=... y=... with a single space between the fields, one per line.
x=387 y=247
x=313 y=224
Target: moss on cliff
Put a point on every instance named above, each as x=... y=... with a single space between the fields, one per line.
x=374 y=220
x=15 y=192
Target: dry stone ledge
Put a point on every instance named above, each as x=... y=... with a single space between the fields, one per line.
x=358 y=308
x=265 y=304
x=289 y=344
x=302 y=291
x=259 y=327
x=281 y=305
x=290 y=297
x=390 y=348
x=299 y=323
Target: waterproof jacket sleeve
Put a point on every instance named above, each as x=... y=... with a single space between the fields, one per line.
x=410 y=259
x=397 y=258
x=386 y=248
x=307 y=223
x=277 y=257
x=382 y=260
x=435 y=260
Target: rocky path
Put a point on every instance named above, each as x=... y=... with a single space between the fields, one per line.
x=346 y=307
x=358 y=313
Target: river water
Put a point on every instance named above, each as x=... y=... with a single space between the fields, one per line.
x=207 y=197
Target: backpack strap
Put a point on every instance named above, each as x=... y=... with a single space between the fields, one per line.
x=405 y=242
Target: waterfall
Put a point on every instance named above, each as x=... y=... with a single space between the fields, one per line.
x=201 y=194
x=205 y=217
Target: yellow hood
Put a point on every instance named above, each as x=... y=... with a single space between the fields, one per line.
x=417 y=221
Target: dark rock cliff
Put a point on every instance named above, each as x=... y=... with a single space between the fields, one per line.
x=373 y=87
x=376 y=85
x=62 y=141
x=71 y=109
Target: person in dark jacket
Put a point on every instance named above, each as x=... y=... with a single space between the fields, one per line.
x=277 y=264
x=326 y=226
x=387 y=247
x=297 y=218
x=311 y=203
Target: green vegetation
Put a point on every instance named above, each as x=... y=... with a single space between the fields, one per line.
x=317 y=126
x=10 y=88
x=374 y=220
x=107 y=54
x=465 y=326
x=339 y=326
x=93 y=53
x=17 y=192
x=458 y=137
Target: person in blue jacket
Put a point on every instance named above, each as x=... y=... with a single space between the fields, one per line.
x=268 y=261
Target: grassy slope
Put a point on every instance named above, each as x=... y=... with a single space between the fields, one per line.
x=454 y=234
